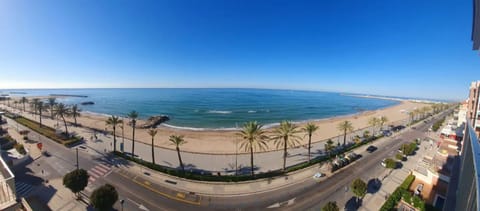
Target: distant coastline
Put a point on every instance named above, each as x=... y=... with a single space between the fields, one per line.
x=391 y=98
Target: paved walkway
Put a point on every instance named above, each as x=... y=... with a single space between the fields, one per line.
x=394 y=178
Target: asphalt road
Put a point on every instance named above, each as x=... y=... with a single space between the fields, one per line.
x=139 y=195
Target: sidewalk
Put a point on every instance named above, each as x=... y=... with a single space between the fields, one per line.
x=390 y=182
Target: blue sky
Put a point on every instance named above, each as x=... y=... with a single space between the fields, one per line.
x=401 y=48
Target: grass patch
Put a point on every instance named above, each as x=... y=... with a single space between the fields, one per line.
x=47 y=131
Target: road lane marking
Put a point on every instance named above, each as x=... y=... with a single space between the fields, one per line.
x=159 y=192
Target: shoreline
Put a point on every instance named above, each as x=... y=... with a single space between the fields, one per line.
x=225 y=141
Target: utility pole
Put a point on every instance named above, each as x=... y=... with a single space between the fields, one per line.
x=77 y=158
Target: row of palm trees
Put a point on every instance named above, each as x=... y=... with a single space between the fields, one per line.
x=421 y=113
x=176 y=140
x=57 y=110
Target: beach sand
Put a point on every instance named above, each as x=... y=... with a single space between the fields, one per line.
x=223 y=142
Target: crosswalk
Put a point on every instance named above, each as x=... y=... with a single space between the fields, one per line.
x=98 y=171
x=23 y=189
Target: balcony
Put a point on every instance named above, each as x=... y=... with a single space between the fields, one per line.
x=7 y=186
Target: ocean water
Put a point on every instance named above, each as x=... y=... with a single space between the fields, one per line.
x=215 y=108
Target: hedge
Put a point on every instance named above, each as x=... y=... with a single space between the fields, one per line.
x=47 y=131
x=396 y=196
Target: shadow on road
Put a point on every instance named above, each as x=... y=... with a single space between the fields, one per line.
x=353 y=204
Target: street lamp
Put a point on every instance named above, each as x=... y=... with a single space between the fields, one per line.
x=121 y=203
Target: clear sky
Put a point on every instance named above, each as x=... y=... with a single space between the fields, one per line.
x=388 y=47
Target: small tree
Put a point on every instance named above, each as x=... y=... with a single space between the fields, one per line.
x=390 y=163
x=331 y=206
x=399 y=156
x=76 y=180
x=359 y=188
x=104 y=197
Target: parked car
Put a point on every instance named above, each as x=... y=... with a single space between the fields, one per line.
x=398 y=128
x=386 y=133
x=371 y=148
x=419 y=189
x=318 y=175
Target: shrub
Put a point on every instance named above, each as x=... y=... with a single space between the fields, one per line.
x=397 y=194
x=399 y=156
x=390 y=163
x=20 y=149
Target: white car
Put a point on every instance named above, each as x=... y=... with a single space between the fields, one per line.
x=318 y=175
x=384 y=164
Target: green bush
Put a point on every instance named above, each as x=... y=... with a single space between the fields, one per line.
x=397 y=195
x=399 y=156
x=48 y=132
x=20 y=149
x=390 y=163
x=437 y=124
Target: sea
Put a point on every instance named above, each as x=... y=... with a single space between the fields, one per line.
x=216 y=108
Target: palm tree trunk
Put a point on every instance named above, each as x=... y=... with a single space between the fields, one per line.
x=75 y=119
x=180 y=159
x=40 y=118
x=309 y=145
x=285 y=153
x=344 y=137
x=133 y=141
x=251 y=160
x=153 y=153
x=114 y=140
x=65 y=123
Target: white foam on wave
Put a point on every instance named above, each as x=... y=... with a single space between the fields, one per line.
x=219 y=112
x=252 y=111
x=199 y=129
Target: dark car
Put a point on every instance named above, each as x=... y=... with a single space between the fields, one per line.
x=371 y=148
x=398 y=128
x=386 y=133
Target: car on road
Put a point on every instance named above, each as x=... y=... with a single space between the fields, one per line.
x=318 y=175
x=398 y=128
x=371 y=148
x=386 y=133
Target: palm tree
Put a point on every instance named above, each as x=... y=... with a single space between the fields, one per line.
x=75 y=113
x=178 y=141
x=310 y=128
x=254 y=138
x=329 y=146
x=345 y=126
x=24 y=100
x=284 y=136
x=133 y=115
x=40 y=108
x=62 y=111
x=382 y=121
x=152 y=132
x=411 y=115
x=15 y=104
x=51 y=104
x=114 y=121
x=34 y=104
x=373 y=122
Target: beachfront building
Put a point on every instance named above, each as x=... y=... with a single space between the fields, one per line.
x=466 y=196
x=433 y=173
x=476 y=25
x=473 y=113
x=7 y=187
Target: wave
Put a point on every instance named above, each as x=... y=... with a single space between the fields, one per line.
x=219 y=112
x=199 y=128
x=252 y=111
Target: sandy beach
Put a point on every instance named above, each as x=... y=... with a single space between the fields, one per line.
x=224 y=142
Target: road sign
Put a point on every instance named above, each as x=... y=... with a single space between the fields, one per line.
x=40 y=145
